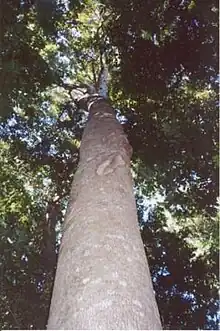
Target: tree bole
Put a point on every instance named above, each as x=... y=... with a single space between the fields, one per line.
x=102 y=279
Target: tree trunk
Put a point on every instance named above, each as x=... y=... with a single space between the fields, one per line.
x=102 y=279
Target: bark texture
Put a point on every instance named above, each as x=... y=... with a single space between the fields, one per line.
x=102 y=279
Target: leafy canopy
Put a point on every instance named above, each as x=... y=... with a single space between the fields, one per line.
x=162 y=58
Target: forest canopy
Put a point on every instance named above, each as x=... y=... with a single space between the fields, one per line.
x=162 y=58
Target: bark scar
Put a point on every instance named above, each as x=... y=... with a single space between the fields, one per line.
x=109 y=165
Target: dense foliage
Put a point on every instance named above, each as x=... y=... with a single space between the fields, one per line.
x=162 y=57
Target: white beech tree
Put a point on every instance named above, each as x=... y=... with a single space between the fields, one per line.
x=102 y=279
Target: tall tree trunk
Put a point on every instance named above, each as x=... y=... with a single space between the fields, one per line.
x=102 y=279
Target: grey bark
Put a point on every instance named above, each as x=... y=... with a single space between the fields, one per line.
x=102 y=279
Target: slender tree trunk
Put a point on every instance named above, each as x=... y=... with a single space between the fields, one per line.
x=102 y=279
